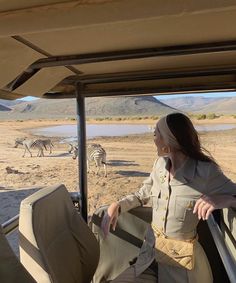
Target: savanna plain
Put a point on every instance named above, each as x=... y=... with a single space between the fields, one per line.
x=129 y=162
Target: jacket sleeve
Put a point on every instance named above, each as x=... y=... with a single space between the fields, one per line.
x=218 y=183
x=139 y=198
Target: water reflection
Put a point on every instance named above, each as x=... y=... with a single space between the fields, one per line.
x=95 y=130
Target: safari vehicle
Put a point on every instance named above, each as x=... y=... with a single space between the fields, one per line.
x=92 y=48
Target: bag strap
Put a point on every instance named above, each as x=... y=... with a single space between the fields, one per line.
x=120 y=233
x=158 y=232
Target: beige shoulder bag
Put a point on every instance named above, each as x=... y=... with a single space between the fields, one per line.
x=173 y=252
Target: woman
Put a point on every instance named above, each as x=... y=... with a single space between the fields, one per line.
x=181 y=175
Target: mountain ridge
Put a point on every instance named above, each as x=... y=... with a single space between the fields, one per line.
x=191 y=104
x=116 y=106
x=95 y=107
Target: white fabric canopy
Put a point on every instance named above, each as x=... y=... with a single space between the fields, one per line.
x=31 y=30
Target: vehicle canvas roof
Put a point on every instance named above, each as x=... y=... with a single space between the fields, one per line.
x=120 y=47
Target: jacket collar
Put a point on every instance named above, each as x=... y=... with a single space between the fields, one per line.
x=184 y=174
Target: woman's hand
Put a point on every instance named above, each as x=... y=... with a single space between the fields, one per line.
x=110 y=218
x=206 y=204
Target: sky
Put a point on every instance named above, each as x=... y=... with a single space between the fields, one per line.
x=209 y=94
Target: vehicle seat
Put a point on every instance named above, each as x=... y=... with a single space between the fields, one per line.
x=11 y=270
x=56 y=245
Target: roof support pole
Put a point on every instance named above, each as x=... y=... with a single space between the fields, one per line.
x=81 y=130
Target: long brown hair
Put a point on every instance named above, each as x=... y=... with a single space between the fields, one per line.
x=186 y=135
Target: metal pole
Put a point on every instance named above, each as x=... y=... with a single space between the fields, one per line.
x=178 y=50
x=81 y=130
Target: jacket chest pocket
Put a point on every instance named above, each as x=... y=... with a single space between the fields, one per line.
x=184 y=207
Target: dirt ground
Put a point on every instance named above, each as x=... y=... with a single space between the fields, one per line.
x=129 y=159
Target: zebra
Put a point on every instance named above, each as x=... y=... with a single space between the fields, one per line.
x=30 y=144
x=72 y=147
x=48 y=143
x=151 y=128
x=96 y=153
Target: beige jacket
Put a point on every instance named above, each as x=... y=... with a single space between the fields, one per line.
x=173 y=204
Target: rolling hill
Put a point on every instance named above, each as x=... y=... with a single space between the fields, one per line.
x=226 y=106
x=95 y=107
x=115 y=106
x=191 y=104
x=10 y=103
x=4 y=108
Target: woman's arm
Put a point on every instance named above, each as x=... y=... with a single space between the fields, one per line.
x=127 y=203
x=206 y=204
x=217 y=183
x=219 y=193
x=110 y=218
x=139 y=198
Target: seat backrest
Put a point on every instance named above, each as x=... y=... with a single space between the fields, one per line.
x=11 y=270
x=56 y=245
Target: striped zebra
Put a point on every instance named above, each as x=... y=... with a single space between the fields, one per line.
x=151 y=128
x=30 y=144
x=47 y=143
x=72 y=147
x=96 y=153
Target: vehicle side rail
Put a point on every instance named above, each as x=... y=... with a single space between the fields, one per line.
x=229 y=234
x=226 y=256
x=12 y=224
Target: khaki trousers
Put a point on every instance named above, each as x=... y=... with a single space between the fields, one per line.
x=128 y=276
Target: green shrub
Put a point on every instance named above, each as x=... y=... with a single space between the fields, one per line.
x=212 y=116
x=154 y=117
x=191 y=116
x=201 y=116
